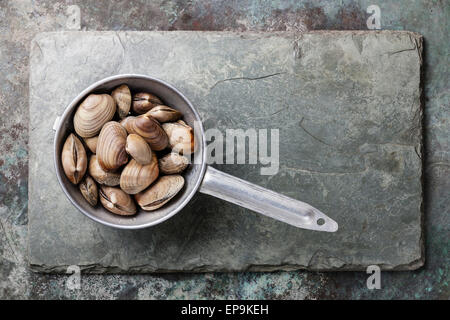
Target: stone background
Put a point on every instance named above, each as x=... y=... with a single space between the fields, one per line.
x=357 y=93
x=21 y=20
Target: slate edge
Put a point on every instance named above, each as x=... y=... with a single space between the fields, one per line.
x=101 y=269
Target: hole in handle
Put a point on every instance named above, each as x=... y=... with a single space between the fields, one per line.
x=320 y=221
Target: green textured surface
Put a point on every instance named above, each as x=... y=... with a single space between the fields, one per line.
x=348 y=112
x=21 y=20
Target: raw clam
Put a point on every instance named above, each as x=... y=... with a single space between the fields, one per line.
x=122 y=97
x=138 y=149
x=125 y=122
x=89 y=190
x=158 y=194
x=136 y=177
x=93 y=113
x=101 y=176
x=181 y=137
x=117 y=201
x=164 y=114
x=143 y=102
x=149 y=129
x=173 y=163
x=111 y=146
x=74 y=159
x=91 y=143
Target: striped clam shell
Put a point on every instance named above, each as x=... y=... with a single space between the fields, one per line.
x=136 y=177
x=164 y=113
x=181 y=137
x=122 y=96
x=149 y=129
x=138 y=149
x=158 y=194
x=92 y=114
x=74 y=159
x=143 y=102
x=173 y=163
x=111 y=151
x=101 y=176
x=117 y=201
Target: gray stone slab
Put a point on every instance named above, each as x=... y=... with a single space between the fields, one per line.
x=347 y=105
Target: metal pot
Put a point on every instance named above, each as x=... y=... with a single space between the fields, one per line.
x=200 y=177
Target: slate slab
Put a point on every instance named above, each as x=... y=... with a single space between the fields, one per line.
x=347 y=106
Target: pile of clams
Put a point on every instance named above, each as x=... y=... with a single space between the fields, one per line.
x=127 y=150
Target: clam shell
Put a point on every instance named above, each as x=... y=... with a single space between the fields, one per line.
x=101 y=176
x=149 y=129
x=164 y=114
x=89 y=190
x=143 y=102
x=93 y=113
x=172 y=163
x=158 y=194
x=126 y=123
x=74 y=159
x=136 y=177
x=111 y=146
x=91 y=143
x=181 y=137
x=117 y=201
x=138 y=149
x=122 y=97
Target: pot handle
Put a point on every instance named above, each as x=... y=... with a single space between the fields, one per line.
x=264 y=201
